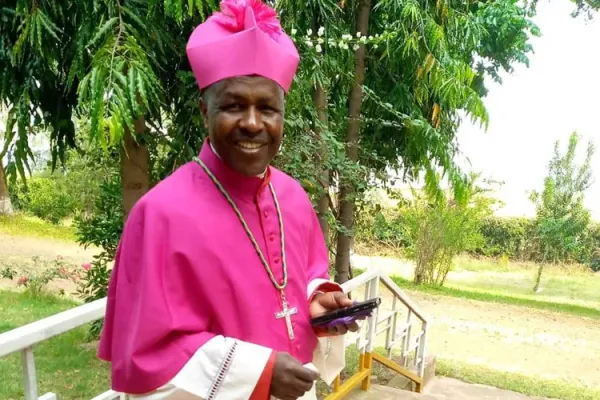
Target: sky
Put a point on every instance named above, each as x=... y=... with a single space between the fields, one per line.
x=534 y=107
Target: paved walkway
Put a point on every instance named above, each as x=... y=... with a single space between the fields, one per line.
x=442 y=389
x=453 y=389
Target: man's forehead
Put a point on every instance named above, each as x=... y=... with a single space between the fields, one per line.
x=247 y=86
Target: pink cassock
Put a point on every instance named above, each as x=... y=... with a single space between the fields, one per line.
x=186 y=271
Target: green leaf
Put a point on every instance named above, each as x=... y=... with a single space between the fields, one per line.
x=102 y=31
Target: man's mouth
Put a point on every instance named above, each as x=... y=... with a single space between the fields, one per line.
x=250 y=145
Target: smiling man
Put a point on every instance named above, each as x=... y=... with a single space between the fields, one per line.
x=222 y=265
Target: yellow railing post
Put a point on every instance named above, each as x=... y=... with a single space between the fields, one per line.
x=368 y=366
x=337 y=383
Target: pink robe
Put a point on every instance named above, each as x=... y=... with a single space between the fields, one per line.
x=186 y=272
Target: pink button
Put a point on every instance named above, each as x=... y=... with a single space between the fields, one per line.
x=272 y=237
x=266 y=213
x=277 y=260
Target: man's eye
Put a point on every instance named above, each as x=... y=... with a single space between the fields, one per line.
x=269 y=109
x=232 y=107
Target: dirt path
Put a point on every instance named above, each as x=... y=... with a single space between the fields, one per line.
x=21 y=250
x=24 y=248
x=511 y=338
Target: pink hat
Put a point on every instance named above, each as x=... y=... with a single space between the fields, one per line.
x=244 y=38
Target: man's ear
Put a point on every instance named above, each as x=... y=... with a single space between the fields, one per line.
x=204 y=110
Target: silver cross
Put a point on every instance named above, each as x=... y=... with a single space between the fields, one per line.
x=287 y=313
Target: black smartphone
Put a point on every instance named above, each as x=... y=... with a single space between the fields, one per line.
x=358 y=309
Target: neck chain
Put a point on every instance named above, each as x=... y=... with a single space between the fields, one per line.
x=279 y=286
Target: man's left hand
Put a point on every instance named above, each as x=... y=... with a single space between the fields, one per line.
x=324 y=302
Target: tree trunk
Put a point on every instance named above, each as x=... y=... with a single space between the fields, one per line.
x=135 y=178
x=538 y=278
x=320 y=99
x=5 y=204
x=348 y=191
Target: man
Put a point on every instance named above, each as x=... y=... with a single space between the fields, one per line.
x=222 y=265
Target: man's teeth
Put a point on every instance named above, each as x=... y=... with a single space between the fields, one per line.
x=249 y=145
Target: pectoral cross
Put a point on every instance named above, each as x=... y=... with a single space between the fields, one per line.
x=287 y=313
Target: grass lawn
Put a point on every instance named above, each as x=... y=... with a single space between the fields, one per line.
x=553 y=389
x=562 y=284
x=488 y=295
x=23 y=225
x=66 y=364
x=481 y=295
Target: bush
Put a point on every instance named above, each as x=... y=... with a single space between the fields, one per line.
x=441 y=230
x=512 y=237
x=45 y=197
x=503 y=238
x=35 y=276
x=376 y=225
x=102 y=229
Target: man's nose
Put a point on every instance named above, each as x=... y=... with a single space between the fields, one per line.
x=252 y=121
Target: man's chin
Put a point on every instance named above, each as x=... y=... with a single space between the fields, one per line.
x=251 y=170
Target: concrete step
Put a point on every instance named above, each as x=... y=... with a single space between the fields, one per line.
x=378 y=392
x=441 y=389
x=452 y=389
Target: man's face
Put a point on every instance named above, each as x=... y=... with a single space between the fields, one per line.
x=244 y=118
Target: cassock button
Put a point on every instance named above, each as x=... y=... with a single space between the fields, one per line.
x=277 y=260
x=266 y=213
x=272 y=237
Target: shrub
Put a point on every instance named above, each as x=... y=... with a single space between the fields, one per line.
x=512 y=237
x=46 y=198
x=103 y=229
x=376 y=225
x=439 y=230
x=35 y=279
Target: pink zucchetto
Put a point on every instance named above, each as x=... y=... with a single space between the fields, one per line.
x=244 y=38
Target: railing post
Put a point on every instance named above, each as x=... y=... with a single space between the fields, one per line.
x=406 y=339
x=422 y=349
x=29 y=376
x=373 y=292
x=390 y=336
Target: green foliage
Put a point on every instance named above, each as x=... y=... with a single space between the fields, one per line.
x=69 y=190
x=586 y=7
x=110 y=61
x=113 y=62
x=47 y=198
x=378 y=226
x=432 y=72
x=562 y=218
x=511 y=237
x=103 y=229
x=438 y=231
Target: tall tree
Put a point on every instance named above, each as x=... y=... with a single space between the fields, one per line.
x=320 y=22
x=347 y=192
x=561 y=216
x=122 y=64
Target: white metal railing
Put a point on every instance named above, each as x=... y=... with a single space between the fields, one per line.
x=24 y=338
x=412 y=334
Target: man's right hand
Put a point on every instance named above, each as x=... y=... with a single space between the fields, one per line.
x=290 y=379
